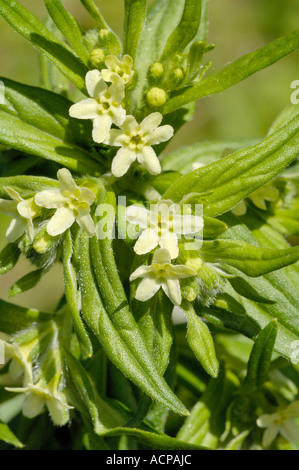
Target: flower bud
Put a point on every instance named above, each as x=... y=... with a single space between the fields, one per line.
x=157 y=70
x=97 y=56
x=156 y=97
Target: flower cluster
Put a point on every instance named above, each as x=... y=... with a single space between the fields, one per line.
x=105 y=108
x=161 y=226
x=281 y=422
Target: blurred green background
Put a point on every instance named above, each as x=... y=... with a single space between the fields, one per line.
x=247 y=110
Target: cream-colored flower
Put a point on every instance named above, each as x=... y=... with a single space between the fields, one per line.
x=281 y=422
x=268 y=192
x=104 y=106
x=72 y=203
x=161 y=273
x=38 y=398
x=122 y=68
x=162 y=225
x=23 y=212
x=135 y=141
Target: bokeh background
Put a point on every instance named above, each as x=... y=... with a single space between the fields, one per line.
x=247 y=110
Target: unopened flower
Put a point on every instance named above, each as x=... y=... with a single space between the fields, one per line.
x=23 y=212
x=122 y=68
x=135 y=141
x=162 y=225
x=268 y=192
x=72 y=203
x=161 y=273
x=104 y=106
x=281 y=422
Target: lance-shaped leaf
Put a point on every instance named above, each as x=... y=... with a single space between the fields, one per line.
x=26 y=24
x=185 y=31
x=72 y=296
x=68 y=25
x=235 y=72
x=279 y=287
x=153 y=440
x=8 y=257
x=201 y=153
x=252 y=260
x=200 y=341
x=37 y=122
x=135 y=11
x=260 y=357
x=26 y=282
x=14 y=318
x=229 y=180
x=138 y=367
x=6 y=435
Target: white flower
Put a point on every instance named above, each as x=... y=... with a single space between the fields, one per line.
x=161 y=273
x=104 y=106
x=268 y=192
x=135 y=141
x=162 y=224
x=37 y=398
x=122 y=68
x=72 y=203
x=280 y=423
x=23 y=212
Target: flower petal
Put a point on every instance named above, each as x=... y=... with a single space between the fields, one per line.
x=33 y=405
x=8 y=207
x=85 y=109
x=15 y=230
x=151 y=122
x=118 y=115
x=114 y=138
x=269 y=435
x=147 y=289
x=161 y=256
x=94 y=83
x=66 y=180
x=140 y=272
x=85 y=221
x=183 y=271
x=101 y=128
x=50 y=198
x=161 y=134
x=290 y=431
x=170 y=243
x=148 y=158
x=240 y=209
x=138 y=215
x=58 y=411
x=60 y=222
x=147 y=241
x=172 y=289
x=122 y=161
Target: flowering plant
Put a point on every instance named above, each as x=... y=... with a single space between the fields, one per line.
x=139 y=231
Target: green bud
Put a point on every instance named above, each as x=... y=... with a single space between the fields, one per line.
x=156 y=97
x=157 y=70
x=97 y=56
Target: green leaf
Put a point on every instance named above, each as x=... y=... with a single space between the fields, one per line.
x=252 y=260
x=185 y=31
x=234 y=177
x=26 y=186
x=154 y=441
x=8 y=436
x=203 y=152
x=213 y=228
x=37 y=122
x=8 y=257
x=95 y=13
x=14 y=318
x=26 y=24
x=25 y=283
x=69 y=27
x=135 y=11
x=235 y=72
x=71 y=294
x=260 y=357
x=131 y=357
x=200 y=341
x=99 y=411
